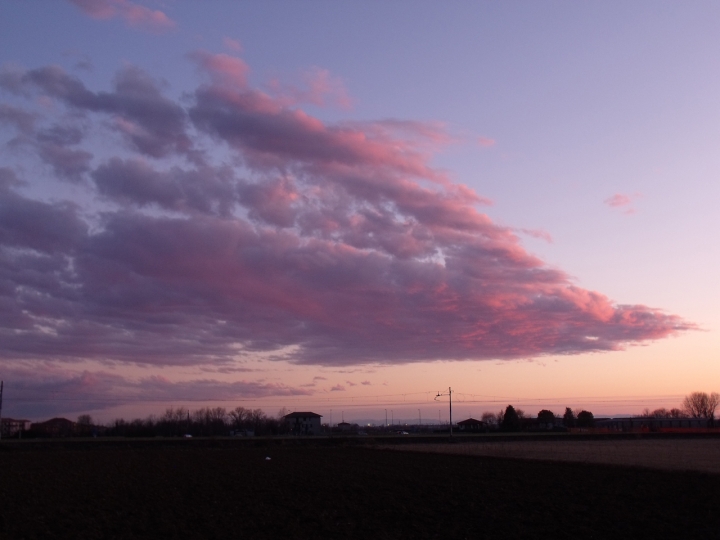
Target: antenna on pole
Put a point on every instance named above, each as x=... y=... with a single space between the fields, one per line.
x=449 y=393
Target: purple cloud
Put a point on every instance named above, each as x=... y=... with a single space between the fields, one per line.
x=329 y=244
x=154 y=125
x=38 y=226
x=135 y=182
x=23 y=121
x=51 y=144
x=67 y=163
x=55 y=391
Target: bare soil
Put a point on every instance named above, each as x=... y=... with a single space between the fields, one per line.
x=676 y=454
x=216 y=489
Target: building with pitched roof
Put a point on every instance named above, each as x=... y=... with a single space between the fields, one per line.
x=303 y=423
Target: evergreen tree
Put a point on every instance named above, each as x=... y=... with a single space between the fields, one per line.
x=511 y=420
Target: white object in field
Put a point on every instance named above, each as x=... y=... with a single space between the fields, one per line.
x=267 y=459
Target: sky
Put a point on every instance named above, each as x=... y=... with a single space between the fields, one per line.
x=350 y=207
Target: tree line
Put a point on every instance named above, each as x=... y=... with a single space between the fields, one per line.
x=175 y=422
x=204 y=422
x=694 y=405
x=513 y=419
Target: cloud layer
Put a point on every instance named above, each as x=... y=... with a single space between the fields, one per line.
x=54 y=391
x=238 y=223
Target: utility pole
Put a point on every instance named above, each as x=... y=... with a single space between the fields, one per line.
x=392 y=417
x=1 y=392
x=419 y=417
x=386 y=424
x=449 y=393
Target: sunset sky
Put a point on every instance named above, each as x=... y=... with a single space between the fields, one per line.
x=347 y=207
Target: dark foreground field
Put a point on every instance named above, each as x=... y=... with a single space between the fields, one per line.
x=210 y=490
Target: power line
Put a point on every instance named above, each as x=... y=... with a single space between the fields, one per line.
x=351 y=404
x=314 y=396
x=320 y=397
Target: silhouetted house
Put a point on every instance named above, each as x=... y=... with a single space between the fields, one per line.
x=346 y=427
x=56 y=427
x=303 y=423
x=472 y=425
x=13 y=428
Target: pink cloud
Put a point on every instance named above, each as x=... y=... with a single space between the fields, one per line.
x=618 y=200
x=366 y=383
x=538 y=233
x=232 y=44
x=132 y=13
x=338 y=242
x=338 y=388
x=623 y=202
x=485 y=142
x=318 y=88
x=225 y=69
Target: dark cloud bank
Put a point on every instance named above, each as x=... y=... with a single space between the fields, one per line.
x=339 y=241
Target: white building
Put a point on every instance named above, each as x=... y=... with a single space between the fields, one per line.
x=303 y=423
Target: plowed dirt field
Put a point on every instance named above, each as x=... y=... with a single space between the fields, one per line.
x=676 y=454
x=217 y=490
